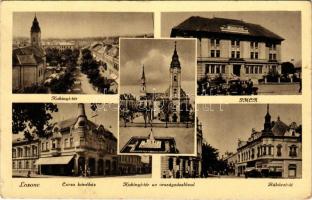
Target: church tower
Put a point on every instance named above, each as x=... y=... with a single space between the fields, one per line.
x=143 y=82
x=267 y=128
x=175 y=75
x=81 y=116
x=35 y=34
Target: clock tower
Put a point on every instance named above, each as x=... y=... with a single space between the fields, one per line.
x=175 y=75
x=35 y=34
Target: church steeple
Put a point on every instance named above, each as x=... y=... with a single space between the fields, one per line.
x=175 y=63
x=267 y=120
x=81 y=116
x=35 y=33
x=143 y=81
x=35 y=25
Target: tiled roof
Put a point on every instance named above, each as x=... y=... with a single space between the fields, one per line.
x=214 y=25
x=28 y=56
x=279 y=128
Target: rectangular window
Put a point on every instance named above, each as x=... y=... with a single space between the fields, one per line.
x=279 y=150
x=53 y=144
x=251 y=44
x=218 y=69
x=252 y=55
x=264 y=150
x=256 y=69
x=207 y=68
x=212 y=69
x=217 y=42
x=260 y=69
x=251 y=69
x=256 y=45
x=270 y=56
x=274 y=56
x=71 y=142
x=270 y=150
x=256 y=55
x=233 y=42
x=237 y=43
x=223 y=69
x=218 y=53
x=237 y=54
x=233 y=54
x=212 y=42
x=66 y=143
x=247 y=69
x=212 y=53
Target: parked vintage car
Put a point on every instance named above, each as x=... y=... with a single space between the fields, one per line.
x=252 y=172
x=240 y=87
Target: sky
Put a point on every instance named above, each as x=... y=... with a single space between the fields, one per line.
x=286 y=24
x=224 y=124
x=156 y=56
x=83 y=24
x=106 y=115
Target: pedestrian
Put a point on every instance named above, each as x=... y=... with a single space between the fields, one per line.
x=28 y=174
x=249 y=87
x=300 y=85
x=88 y=172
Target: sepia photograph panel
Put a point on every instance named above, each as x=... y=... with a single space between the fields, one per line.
x=157 y=96
x=70 y=140
x=243 y=141
x=72 y=52
x=242 y=52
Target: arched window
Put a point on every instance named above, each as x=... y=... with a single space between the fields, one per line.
x=293 y=151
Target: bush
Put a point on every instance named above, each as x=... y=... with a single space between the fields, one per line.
x=39 y=89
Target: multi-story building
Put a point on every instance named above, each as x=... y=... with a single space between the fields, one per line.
x=76 y=146
x=275 y=150
x=184 y=166
x=231 y=160
x=60 y=45
x=232 y=48
x=29 y=62
x=24 y=155
x=108 y=56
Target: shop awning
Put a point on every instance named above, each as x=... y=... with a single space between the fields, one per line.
x=60 y=160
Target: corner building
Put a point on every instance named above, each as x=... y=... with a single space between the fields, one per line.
x=276 y=150
x=232 y=48
x=76 y=145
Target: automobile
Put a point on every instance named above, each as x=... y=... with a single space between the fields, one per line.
x=240 y=87
x=252 y=172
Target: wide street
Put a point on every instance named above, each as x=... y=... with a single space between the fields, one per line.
x=86 y=87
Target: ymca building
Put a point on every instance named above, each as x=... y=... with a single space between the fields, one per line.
x=232 y=48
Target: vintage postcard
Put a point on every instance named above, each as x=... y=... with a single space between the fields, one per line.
x=155 y=100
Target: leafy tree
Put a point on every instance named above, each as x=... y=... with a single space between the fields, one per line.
x=210 y=159
x=165 y=107
x=39 y=89
x=33 y=119
x=288 y=68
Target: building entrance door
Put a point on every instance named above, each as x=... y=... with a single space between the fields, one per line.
x=236 y=70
